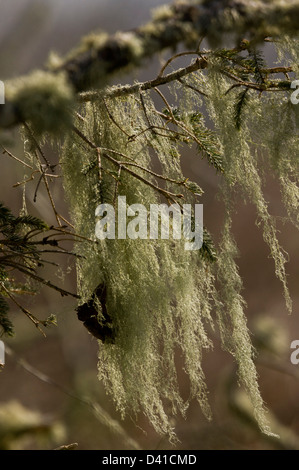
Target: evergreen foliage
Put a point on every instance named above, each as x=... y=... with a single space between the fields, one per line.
x=23 y=240
x=16 y=250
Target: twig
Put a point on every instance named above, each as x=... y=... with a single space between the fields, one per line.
x=5 y=151
x=113 y=119
x=167 y=194
x=174 y=57
x=176 y=122
x=48 y=164
x=31 y=317
x=26 y=270
x=117 y=184
x=137 y=87
x=202 y=93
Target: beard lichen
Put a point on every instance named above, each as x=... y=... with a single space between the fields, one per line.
x=162 y=299
x=158 y=294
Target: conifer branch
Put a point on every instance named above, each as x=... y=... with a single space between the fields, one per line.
x=148 y=85
x=97 y=58
x=176 y=23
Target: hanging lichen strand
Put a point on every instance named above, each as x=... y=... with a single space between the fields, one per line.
x=153 y=297
x=258 y=135
x=158 y=294
x=252 y=148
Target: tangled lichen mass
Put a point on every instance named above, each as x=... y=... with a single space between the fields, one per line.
x=160 y=297
x=148 y=298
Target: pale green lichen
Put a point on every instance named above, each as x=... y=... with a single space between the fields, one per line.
x=43 y=100
x=162 y=298
x=243 y=168
x=91 y=42
x=158 y=292
x=133 y=44
x=162 y=13
x=233 y=324
x=54 y=62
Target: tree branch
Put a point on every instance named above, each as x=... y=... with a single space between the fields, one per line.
x=130 y=89
x=176 y=23
x=98 y=57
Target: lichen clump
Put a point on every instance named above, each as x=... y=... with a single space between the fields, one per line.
x=43 y=100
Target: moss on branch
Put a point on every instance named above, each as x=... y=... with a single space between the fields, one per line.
x=100 y=56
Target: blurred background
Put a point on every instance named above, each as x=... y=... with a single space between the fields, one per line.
x=49 y=391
